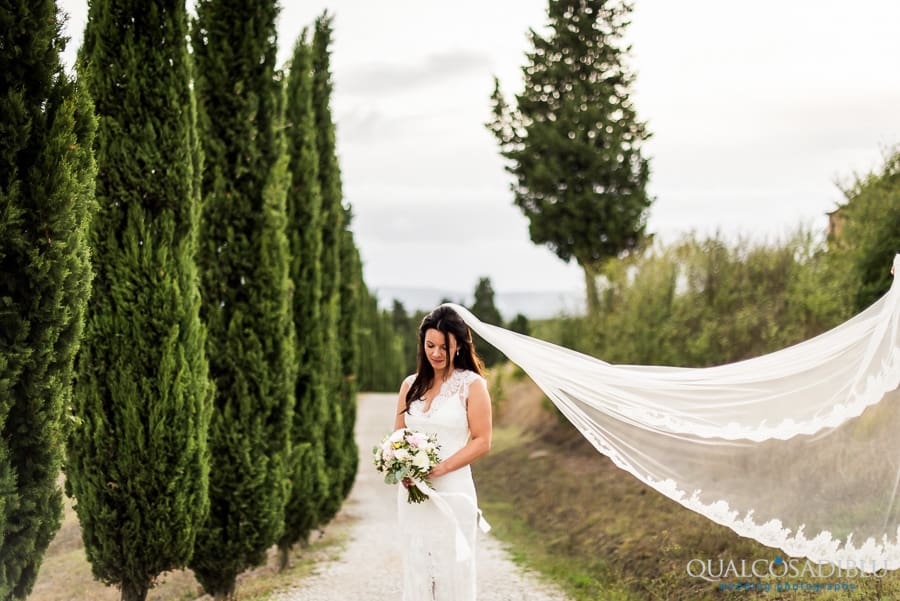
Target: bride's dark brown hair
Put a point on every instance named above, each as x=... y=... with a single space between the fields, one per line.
x=443 y=319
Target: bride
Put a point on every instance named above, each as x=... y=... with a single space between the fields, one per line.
x=448 y=397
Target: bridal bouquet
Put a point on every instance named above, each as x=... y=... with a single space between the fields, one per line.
x=407 y=454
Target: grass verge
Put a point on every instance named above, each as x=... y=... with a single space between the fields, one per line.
x=570 y=514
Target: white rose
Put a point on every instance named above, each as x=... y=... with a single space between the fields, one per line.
x=401 y=454
x=397 y=436
x=421 y=460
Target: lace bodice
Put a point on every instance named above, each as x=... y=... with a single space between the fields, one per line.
x=446 y=416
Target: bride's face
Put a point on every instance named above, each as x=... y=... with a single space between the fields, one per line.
x=436 y=349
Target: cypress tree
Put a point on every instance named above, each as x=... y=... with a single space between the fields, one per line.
x=367 y=336
x=138 y=459
x=382 y=354
x=304 y=214
x=348 y=335
x=519 y=324
x=485 y=309
x=574 y=142
x=244 y=260
x=394 y=345
x=332 y=226
x=405 y=326
x=46 y=203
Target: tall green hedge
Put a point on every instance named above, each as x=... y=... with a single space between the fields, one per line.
x=46 y=203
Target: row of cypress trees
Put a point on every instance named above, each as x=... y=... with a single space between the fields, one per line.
x=388 y=338
x=213 y=395
x=383 y=346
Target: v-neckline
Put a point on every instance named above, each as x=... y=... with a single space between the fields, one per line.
x=428 y=405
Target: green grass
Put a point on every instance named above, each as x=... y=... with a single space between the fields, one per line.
x=568 y=513
x=582 y=580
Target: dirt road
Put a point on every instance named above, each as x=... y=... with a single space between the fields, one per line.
x=369 y=568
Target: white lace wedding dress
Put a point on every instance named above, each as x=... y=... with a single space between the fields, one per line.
x=438 y=535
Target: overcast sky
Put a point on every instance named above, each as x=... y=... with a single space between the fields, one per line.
x=756 y=110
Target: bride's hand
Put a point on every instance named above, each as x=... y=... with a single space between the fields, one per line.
x=438 y=471
x=407 y=482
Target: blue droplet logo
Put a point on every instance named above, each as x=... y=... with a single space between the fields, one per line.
x=778 y=561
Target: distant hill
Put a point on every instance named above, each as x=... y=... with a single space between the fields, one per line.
x=534 y=305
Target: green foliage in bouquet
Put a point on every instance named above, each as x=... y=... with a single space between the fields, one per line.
x=247 y=293
x=47 y=128
x=405 y=454
x=137 y=458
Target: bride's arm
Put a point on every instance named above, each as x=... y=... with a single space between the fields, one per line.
x=479 y=412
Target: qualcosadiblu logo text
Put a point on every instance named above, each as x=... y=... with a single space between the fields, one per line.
x=713 y=570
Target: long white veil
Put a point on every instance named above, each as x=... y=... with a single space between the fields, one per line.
x=798 y=449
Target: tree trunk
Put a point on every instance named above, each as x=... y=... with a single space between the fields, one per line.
x=590 y=281
x=134 y=591
x=283 y=557
x=225 y=595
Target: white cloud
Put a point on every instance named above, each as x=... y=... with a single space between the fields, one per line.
x=391 y=78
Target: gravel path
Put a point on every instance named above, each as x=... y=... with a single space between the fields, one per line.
x=369 y=568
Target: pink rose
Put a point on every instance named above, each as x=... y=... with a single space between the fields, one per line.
x=416 y=440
